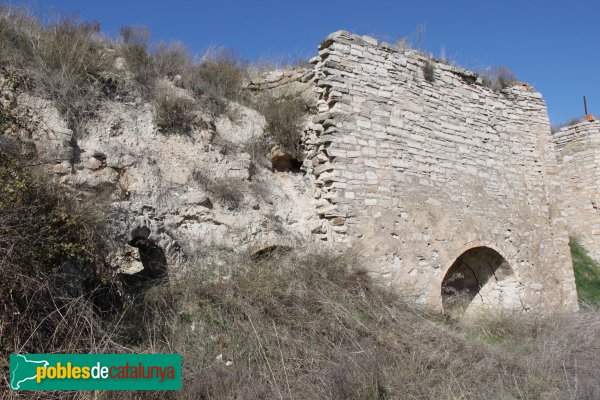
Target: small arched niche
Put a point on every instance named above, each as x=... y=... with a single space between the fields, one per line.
x=153 y=259
x=480 y=278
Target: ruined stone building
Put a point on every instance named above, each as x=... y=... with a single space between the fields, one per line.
x=451 y=189
x=577 y=182
x=455 y=195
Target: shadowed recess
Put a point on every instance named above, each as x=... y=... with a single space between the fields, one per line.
x=471 y=271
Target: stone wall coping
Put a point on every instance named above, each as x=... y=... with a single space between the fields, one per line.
x=343 y=36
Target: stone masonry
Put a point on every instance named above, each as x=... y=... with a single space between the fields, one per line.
x=441 y=182
x=578 y=182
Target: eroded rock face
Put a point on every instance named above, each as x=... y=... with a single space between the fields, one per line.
x=184 y=192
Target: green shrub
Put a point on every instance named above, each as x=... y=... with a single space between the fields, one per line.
x=587 y=274
x=175 y=114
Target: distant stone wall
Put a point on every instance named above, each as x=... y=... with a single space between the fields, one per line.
x=578 y=182
x=417 y=173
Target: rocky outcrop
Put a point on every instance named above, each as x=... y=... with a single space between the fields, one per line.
x=171 y=195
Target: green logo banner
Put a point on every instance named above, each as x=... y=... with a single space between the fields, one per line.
x=95 y=372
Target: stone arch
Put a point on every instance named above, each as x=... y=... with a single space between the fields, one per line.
x=480 y=278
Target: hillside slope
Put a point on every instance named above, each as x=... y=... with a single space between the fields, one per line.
x=140 y=213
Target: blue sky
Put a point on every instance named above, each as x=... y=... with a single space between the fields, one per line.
x=554 y=45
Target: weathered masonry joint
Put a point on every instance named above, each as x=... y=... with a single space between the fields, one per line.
x=443 y=182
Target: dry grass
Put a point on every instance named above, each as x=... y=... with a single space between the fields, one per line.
x=303 y=324
x=64 y=60
x=284 y=116
x=309 y=325
x=68 y=61
x=258 y=148
x=175 y=114
x=171 y=59
x=281 y=62
x=219 y=73
x=562 y=350
x=135 y=49
x=217 y=76
x=571 y=122
x=18 y=31
x=429 y=71
x=497 y=78
x=225 y=191
x=53 y=279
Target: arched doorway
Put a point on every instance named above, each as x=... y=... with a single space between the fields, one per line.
x=479 y=278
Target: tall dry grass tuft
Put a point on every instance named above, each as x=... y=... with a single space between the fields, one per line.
x=175 y=114
x=63 y=59
x=497 y=78
x=19 y=31
x=219 y=73
x=135 y=48
x=284 y=116
x=226 y=191
x=171 y=59
x=562 y=349
x=218 y=76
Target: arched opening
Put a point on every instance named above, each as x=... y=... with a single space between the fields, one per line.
x=479 y=277
x=153 y=259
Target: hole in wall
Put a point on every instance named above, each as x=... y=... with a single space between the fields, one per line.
x=283 y=160
x=478 y=277
x=286 y=163
x=154 y=261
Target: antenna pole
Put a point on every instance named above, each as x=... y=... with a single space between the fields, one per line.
x=585 y=105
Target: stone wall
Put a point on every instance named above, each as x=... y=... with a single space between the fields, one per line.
x=416 y=172
x=578 y=182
